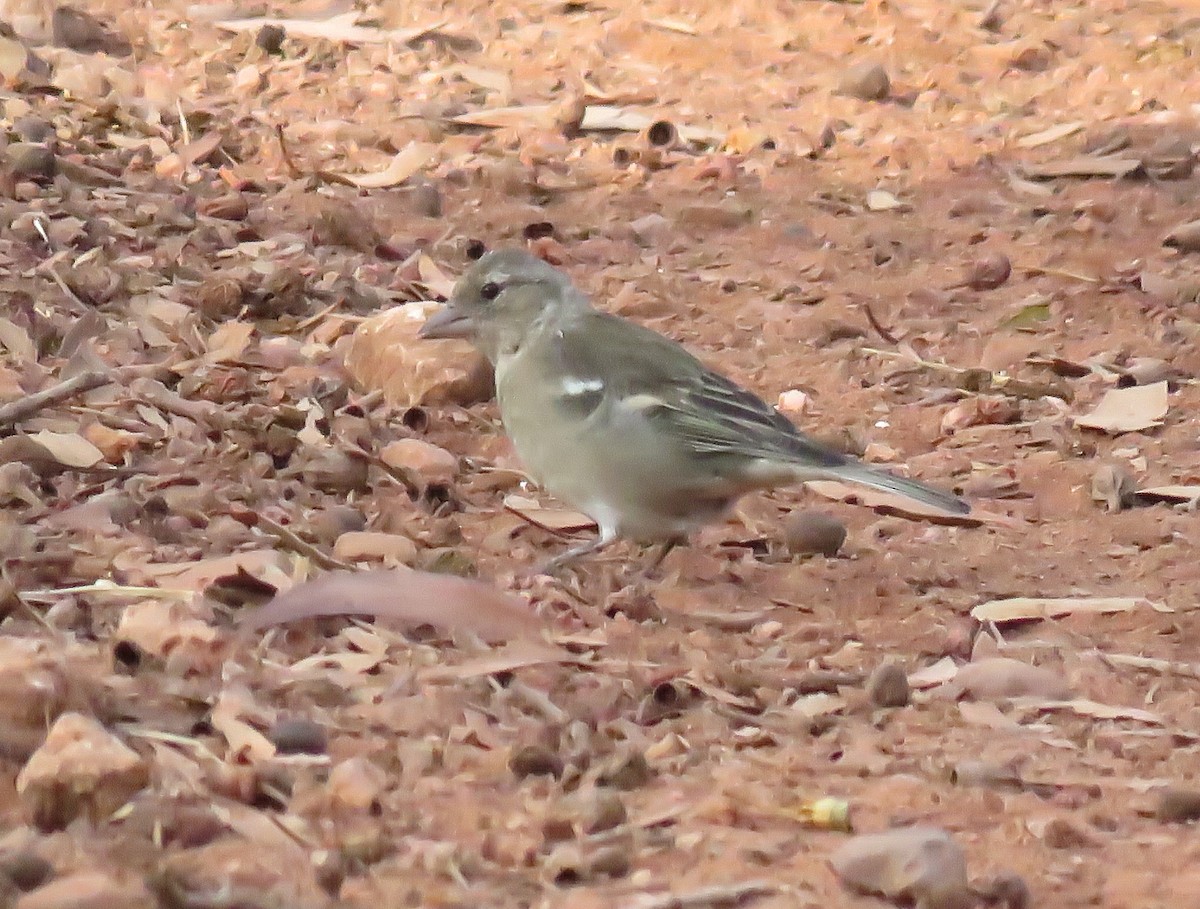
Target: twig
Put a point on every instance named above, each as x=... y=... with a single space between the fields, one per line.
x=25 y=407
x=708 y=897
x=538 y=701
x=64 y=286
x=288 y=538
x=18 y=410
x=875 y=324
x=297 y=174
x=1150 y=664
x=561 y=534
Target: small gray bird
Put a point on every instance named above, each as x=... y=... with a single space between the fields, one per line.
x=623 y=423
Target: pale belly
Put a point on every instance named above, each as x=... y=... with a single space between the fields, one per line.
x=612 y=467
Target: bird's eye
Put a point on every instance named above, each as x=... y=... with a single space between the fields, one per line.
x=490 y=291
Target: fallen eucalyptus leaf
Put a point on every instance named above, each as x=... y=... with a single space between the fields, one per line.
x=1132 y=409
x=1001 y=677
x=413 y=597
x=1085 y=166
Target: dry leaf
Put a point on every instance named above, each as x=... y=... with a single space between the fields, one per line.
x=1000 y=677
x=555 y=519
x=245 y=742
x=1020 y=609
x=1086 y=166
x=887 y=503
x=524 y=115
x=160 y=627
x=610 y=118
x=229 y=342
x=435 y=280
x=17 y=341
x=413 y=597
x=69 y=448
x=13 y=58
x=1176 y=493
x=266 y=565
x=1052 y=134
x=406 y=162
x=1088 y=708
x=1132 y=409
x=673 y=25
x=935 y=674
x=336 y=28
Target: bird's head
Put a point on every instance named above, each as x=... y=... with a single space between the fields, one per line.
x=500 y=299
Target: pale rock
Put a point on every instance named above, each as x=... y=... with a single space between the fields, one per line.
x=81 y=769
x=428 y=463
x=372 y=546
x=356 y=783
x=386 y=354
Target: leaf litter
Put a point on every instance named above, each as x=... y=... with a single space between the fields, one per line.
x=217 y=250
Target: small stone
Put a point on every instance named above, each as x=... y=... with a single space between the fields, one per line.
x=298 y=736
x=723 y=216
x=1113 y=485
x=333 y=470
x=1178 y=806
x=605 y=811
x=81 y=769
x=865 y=81
x=650 y=230
x=247 y=875
x=535 y=760
x=888 y=686
x=626 y=771
x=26 y=869
x=924 y=866
x=427 y=199
x=1007 y=890
x=270 y=38
x=81 y=31
x=33 y=129
x=1062 y=834
x=31 y=161
x=432 y=465
x=813 y=533
x=327 y=524
x=557 y=828
x=611 y=861
x=340 y=223
x=988 y=273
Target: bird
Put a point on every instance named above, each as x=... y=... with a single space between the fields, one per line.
x=623 y=423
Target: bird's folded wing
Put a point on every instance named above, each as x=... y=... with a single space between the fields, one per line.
x=633 y=367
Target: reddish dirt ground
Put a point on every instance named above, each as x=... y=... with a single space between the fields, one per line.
x=670 y=752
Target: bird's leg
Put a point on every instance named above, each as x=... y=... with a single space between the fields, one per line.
x=665 y=551
x=560 y=561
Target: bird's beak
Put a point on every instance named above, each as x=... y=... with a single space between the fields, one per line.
x=448 y=322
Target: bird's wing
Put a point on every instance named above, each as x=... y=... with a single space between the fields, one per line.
x=621 y=364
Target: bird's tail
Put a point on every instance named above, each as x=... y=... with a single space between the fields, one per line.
x=865 y=475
